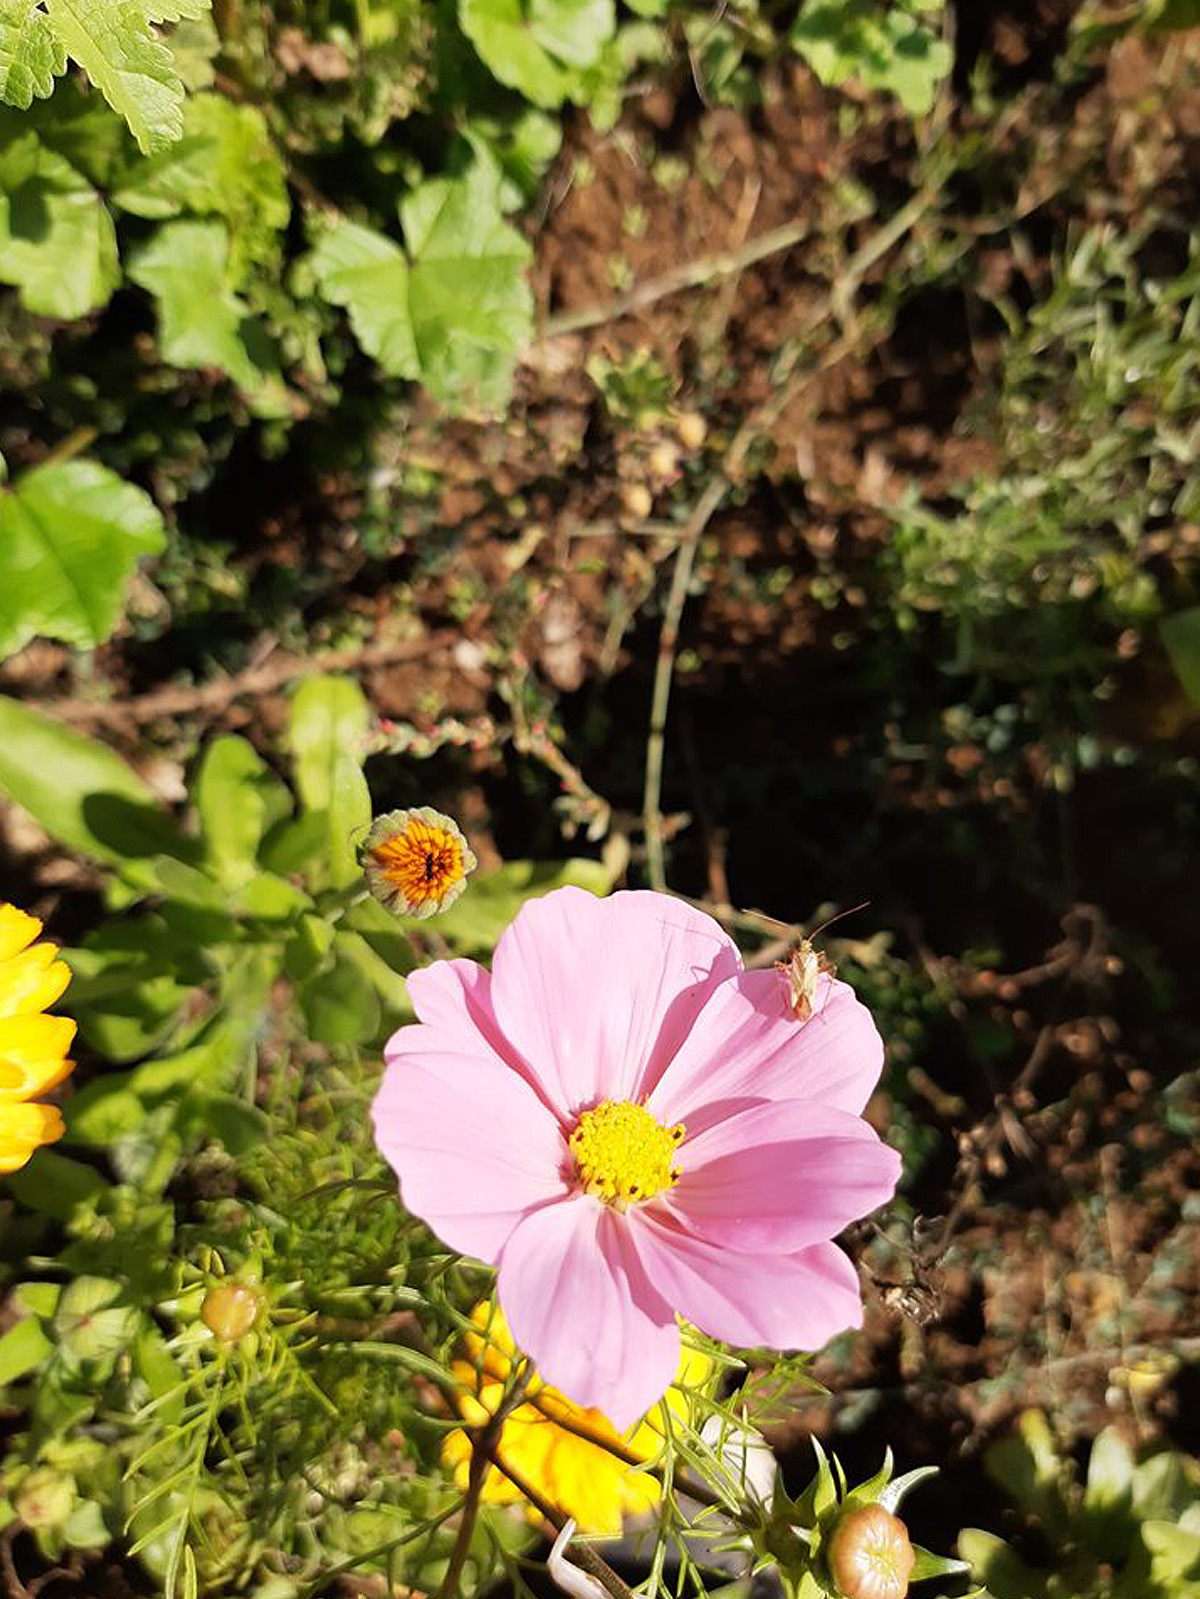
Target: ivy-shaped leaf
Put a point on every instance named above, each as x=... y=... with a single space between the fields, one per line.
x=894 y=50
x=202 y=321
x=57 y=242
x=456 y=310
x=31 y=57
x=367 y=274
x=70 y=535
x=539 y=47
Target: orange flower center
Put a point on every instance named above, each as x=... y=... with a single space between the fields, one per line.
x=423 y=862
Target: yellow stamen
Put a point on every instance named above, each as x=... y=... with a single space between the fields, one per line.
x=623 y=1155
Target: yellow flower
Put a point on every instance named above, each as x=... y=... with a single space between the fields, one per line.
x=541 y=1439
x=416 y=861
x=33 y=1047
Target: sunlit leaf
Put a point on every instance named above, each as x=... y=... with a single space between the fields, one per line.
x=57 y=243
x=71 y=533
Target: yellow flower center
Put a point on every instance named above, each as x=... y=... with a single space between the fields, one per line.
x=623 y=1155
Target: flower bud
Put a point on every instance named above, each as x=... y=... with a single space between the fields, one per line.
x=230 y=1310
x=692 y=429
x=870 y=1556
x=45 y=1498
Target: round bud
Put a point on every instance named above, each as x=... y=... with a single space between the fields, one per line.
x=637 y=501
x=870 y=1556
x=230 y=1310
x=663 y=459
x=692 y=429
x=45 y=1498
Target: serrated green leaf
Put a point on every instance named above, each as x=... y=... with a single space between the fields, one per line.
x=57 y=243
x=71 y=533
x=366 y=273
x=115 y=44
x=83 y=794
x=202 y=321
x=31 y=57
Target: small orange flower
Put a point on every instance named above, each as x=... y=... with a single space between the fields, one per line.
x=416 y=861
x=33 y=1046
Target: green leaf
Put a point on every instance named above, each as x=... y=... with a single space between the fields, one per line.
x=57 y=243
x=1175 y=1553
x=471 y=307
x=84 y=1528
x=202 y=322
x=340 y=1005
x=367 y=274
x=71 y=533
x=539 y=48
x=22 y=1349
x=999 y=1568
x=115 y=44
x=30 y=55
x=1181 y=637
x=224 y=165
x=83 y=794
x=238 y=798
x=54 y=1185
x=458 y=311
x=474 y=922
x=92 y=1324
x=349 y=818
x=239 y=1127
x=329 y=719
x=892 y=50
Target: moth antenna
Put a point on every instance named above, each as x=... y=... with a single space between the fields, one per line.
x=839 y=916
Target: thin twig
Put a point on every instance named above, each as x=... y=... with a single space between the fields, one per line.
x=483 y=1448
x=691 y=275
x=255 y=681
x=581 y=1554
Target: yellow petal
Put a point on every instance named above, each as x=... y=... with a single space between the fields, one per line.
x=17 y=928
x=19 y=1082
x=25 y=1040
x=31 y=981
x=23 y=1128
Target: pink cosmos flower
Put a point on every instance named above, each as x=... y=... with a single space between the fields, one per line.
x=629 y=1125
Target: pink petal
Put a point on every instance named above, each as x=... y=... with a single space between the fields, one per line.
x=747 y=1044
x=581 y=1305
x=455 y=996
x=796 y=1301
x=599 y=994
x=781 y=1175
x=473 y=1146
